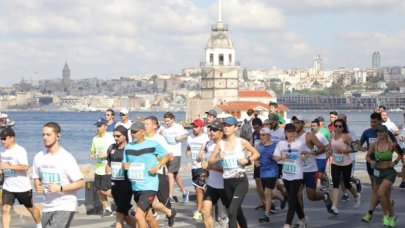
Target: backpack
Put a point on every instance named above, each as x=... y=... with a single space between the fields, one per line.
x=246 y=130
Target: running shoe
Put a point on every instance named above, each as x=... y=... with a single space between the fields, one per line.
x=132 y=212
x=402 y=185
x=197 y=216
x=107 y=213
x=358 y=185
x=172 y=201
x=273 y=209
x=392 y=221
x=264 y=219
x=185 y=196
x=335 y=210
x=328 y=202
x=223 y=222
x=170 y=220
x=345 y=197
x=386 y=220
x=283 y=203
x=323 y=188
x=260 y=206
x=155 y=215
x=357 y=201
x=367 y=218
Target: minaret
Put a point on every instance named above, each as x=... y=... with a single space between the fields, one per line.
x=66 y=77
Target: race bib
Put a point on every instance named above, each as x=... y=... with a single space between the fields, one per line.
x=49 y=176
x=371 y=141
x=9 y=173
x=338 y=158
x=290 y=164
x=376 y=173
x=117 y=173
x=171 y=139
x=136 y=172
x=230 y=162
x=194 y=155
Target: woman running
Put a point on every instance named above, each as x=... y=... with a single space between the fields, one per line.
x=341 y=163
x=232 y=151
x=384 y=172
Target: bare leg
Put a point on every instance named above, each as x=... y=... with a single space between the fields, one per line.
x=206 y=212
x=36 y=214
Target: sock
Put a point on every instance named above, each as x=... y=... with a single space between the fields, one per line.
x=108 y=209
x=39 y=225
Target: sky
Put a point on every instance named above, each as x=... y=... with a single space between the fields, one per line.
x=113 y=38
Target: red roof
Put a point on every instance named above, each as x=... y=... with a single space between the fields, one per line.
x=245 y=105
x=254 y=93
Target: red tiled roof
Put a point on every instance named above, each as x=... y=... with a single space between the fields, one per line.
x=254 y=93
x=245 y=105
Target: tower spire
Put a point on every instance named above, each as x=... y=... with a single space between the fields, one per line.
x=220 y=11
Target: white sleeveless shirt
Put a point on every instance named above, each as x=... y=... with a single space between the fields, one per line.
x=230 y=161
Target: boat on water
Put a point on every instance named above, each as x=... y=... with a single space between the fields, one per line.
x=5 y=121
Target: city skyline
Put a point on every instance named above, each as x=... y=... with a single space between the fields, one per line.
x=109 y=39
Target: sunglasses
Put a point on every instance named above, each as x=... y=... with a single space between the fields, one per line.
x=134 y=132
x=3 y=138
x=214 y=129
x=107 y=115
x=117 y=136
x=339 y=126
x=122 y=114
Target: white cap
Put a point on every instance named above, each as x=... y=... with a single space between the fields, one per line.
x=265 y=130
x=124 y=111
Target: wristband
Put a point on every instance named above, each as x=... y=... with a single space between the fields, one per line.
x=61 y=188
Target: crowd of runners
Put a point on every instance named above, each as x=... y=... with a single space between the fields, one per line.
x=138 y=162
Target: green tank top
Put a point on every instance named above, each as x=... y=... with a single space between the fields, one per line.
x=383 y=155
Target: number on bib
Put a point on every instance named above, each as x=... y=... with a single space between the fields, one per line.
x=338 y=158
x=136 y=172
x=117 y=173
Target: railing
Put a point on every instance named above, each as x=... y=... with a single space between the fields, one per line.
x=221 y=63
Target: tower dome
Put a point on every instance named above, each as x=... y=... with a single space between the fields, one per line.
x=220 y=37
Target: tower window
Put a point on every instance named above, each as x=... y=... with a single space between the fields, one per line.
x=221 y=59
x=211 y=58
x=230 y=58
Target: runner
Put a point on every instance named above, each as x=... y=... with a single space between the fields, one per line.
x=232 y=152
x=140 y=159
x=211 y=117
x=290 y=152
x=309 y=166
x=332 y=117
x=102 y=181
x=341 y=163
x=120 y=185
x=174 y=133
x=57 y=176
x=215 y=181
x=255 y=141
x=273 y=109
x=17 y=185
x=385 y=176
x=194 y=144
x=268 y=170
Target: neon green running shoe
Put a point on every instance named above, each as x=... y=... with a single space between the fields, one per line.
x=386 y=220
x=392 y=221
x=367 y=218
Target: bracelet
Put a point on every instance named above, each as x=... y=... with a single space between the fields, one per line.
x=61 y=188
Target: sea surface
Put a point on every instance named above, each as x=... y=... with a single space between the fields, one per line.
x=78 y=128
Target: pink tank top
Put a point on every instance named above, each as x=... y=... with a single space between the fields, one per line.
x=340 y=159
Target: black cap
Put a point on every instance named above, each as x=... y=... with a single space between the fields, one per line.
x=217 y=124
x=7 y=132
x=289 y=127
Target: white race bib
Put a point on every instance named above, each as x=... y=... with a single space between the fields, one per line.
x=136 y=172
x=230 y=161
x=9 y=173
x=117 y=173
x=290 y=166
x=50 y=175
x=338 y=158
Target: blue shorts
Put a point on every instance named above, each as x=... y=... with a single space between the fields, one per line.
x=321 y=163
x=310 y=180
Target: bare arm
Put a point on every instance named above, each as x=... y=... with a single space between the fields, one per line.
x=13 y=167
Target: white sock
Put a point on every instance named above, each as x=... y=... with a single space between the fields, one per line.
x=108 y=209
x=39 y=225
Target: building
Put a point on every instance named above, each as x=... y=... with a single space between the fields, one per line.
x=66 y=77
x=376 y=60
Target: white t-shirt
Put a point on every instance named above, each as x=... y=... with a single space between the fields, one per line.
x=353 y=137
x=309 y=165
x=195 y=143
x=214 y=178
x=170 y=134
x=15 y=181
x=100 y=144
x=277 y=135
x=60 y=168
x=292 y=165
x=391 y=126
x=324 y=142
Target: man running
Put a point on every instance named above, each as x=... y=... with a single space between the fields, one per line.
x=17 y=185
x=57 y=176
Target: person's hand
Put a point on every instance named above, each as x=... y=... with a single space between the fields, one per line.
x=102 y=155
x=54 y=187
x=204 y=165
x=243 y=161
x=91 y=156
x=372 y=163
x=40 y=189
x=125 y=166
x=257 y=163
x=154 y=170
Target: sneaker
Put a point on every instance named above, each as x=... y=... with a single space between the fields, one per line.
x=197 y=216
x=223 y=222
x=323 y=188
x=185 y=196
x=328 y=202
x=392 y=221
x=283 y=203
x=264 y=219
x=358 y=185
x=357 y=201
x=170 y=220
x=385 y=220
x=367 y=218
x=345 y=197
x=402 y=185
x=107 y=213
x=156 y=215
x=132 y=212
x=335 y=211
x=260 y=206
x=273 y=209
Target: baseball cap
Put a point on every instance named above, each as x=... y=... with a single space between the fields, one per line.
x=230 y=120
x=265 y=130
x=381 y=128
x=198 y=123
x=217 y=124
x=7 y=132
x=289 y=127
x=101 y=121
x=297 y=117
x=320 y=119
x=273 y=117
x=124 y=111
x=212 y=112
x=138 y=125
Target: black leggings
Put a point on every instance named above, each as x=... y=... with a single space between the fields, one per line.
x=235 y=190
x=292 y=188
x=341 y=171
